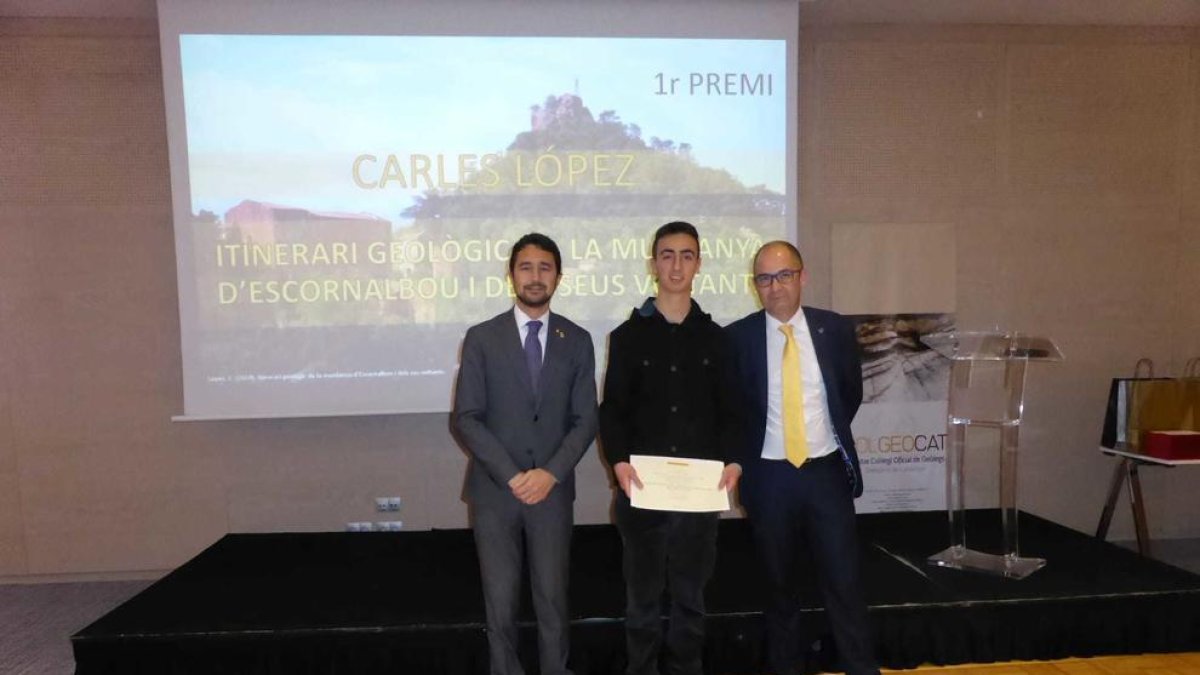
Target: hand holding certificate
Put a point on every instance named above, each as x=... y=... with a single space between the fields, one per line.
x=678 y=484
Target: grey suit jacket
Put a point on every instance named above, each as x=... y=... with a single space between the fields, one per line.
x=506 y=427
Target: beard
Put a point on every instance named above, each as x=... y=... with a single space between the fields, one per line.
x=530 y=301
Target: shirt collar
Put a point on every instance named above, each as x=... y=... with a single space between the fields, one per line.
x=798 y=322
x=523 y=318
x=649 y=310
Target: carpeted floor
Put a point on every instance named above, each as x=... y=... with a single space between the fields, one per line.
x=36 y=621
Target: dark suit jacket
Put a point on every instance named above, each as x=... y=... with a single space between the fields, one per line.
x=505 y=427
x=837 y=353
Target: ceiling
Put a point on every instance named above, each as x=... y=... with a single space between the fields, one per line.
x=812 y=12
x=1014 y=12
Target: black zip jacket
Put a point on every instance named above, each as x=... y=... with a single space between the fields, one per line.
x=669 y=389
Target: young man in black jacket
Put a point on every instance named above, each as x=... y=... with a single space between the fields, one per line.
x=668 y=391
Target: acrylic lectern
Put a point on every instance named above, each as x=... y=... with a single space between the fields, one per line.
x=987 y=384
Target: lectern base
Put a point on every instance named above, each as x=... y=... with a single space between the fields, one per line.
x=1010 y=566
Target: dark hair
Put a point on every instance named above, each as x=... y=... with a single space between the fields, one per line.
x=539 y=240
x=675 y=227
x=779 y=242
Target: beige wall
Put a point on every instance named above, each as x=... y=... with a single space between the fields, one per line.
x=1066 y=159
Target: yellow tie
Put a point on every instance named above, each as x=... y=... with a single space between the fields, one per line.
x=795 y=440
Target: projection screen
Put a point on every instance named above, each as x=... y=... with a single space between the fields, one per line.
x=348 y=178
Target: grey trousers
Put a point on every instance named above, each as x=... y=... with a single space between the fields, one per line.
x=505 y=533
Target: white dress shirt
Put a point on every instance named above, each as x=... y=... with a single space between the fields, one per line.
x=818 y=430
x=523 y=327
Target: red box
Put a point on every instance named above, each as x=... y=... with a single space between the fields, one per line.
x=1172 y=445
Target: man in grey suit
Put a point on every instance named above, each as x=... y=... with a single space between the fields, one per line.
x=525 y=408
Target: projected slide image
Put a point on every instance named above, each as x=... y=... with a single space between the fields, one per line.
x=354 y=198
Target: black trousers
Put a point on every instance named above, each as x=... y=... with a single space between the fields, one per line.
x=676 y=552
x=809 y=511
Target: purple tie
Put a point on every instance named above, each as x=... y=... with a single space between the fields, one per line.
x=533 y=352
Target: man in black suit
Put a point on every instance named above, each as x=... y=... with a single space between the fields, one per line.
x=525 y=408
x=801 y=380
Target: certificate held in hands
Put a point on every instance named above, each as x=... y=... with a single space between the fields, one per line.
x=678 y=484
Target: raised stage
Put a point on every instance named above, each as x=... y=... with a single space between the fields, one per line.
x=366 y=603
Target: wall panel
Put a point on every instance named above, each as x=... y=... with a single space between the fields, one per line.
x=1066 y=159
x=1096 y=123
x=907 y=132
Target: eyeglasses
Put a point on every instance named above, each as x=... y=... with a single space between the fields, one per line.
x=782 y=276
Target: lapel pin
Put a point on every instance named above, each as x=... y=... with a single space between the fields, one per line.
x=559 y=333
